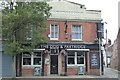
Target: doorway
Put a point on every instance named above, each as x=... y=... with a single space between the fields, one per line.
x=54 y=64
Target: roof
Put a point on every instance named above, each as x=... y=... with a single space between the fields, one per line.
x=72 y=11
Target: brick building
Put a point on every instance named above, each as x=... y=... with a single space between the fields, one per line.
x=73 y=47
x=114 y=59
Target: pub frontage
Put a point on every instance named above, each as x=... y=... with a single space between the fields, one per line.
x=73 y=46
x=62 y=59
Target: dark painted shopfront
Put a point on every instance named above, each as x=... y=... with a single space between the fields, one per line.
x=62 y=59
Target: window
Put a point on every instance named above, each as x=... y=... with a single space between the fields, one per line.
x=75 y=58
x=33 y=58
x=26 y=58
x=37 y=58
x=54 y=31
x=76 y=32
x=71 y=58
x=80 y=58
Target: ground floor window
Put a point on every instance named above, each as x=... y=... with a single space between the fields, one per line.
x=33 y=58
x=37 y=58
x=26 y=58
x=75 y=58
x=71 y=58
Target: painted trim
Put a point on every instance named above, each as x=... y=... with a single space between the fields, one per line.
x=39 y=49
x=78 y=49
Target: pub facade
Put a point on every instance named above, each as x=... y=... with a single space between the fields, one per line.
x=73 y=47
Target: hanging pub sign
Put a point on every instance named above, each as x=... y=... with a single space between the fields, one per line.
x=94 y=60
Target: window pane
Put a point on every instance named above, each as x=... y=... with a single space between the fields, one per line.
x=26 y=55
x=71 y=61
x=26 y=61
x=76 y=32
x=74 y=36
x=37 y=54
x=52 y=34
x=71 y=54
x=37 y=61
x=73 y=28
x=56 y=34
x=78 y=36
x=56 y=28
x=80 y=60
x=52 y=28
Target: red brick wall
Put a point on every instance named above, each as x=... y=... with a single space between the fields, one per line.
x=88 y=30
x=27 y=72
x=72 y=71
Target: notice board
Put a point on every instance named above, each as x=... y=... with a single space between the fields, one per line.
x=94 y=60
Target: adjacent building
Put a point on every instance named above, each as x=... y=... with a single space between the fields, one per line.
x=73 y=47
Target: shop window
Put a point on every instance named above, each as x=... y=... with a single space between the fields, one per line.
x=71 y=58
x=75 y=58
x=80 y=58
x=26 y=58
x=37 y=58
x=76 y=32
x=33 y=58
x=54 y=32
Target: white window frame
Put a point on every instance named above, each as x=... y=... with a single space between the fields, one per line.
x=36 y=57
x=75 y=59
x=32 y=59
x=80 y=33
x=54 y=30
x=22 y=60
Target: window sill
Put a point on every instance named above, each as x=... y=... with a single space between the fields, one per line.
x=54 y=39
x=75 y=65
x=77 y=40
x=30 y=66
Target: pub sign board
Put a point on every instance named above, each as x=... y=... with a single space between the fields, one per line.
x=94 y=60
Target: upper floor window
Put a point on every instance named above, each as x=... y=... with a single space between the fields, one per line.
x=76 y=32
x=54 y=32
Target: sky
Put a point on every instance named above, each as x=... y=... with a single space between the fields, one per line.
x=109 y=14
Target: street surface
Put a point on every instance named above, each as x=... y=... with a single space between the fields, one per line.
x=109 y=74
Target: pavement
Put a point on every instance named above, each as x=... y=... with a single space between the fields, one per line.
x=109 y=74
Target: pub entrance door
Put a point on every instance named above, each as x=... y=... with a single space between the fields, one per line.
x=54 y=64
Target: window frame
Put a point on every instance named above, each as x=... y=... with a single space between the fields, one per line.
x=76 y=32
x=23 y=59
x=75 y=60
x=32 y=60
x=37 y=57
x=54 y=32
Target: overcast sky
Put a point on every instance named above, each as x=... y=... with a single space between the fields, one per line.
x=109 y=13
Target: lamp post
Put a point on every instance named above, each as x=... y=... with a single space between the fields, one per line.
x=100 y=35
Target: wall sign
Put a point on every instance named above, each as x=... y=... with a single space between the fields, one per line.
x=94 y=60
